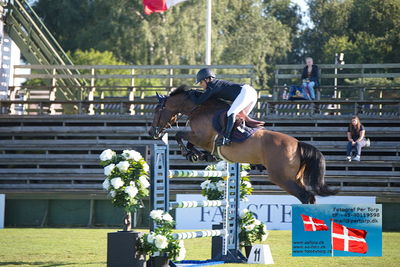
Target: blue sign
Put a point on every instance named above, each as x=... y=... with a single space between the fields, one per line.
x=351 y=230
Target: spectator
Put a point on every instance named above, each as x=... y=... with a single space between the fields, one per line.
x=356 y=138
x=310 y=77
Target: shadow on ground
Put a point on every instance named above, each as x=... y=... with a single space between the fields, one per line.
x=47 y=264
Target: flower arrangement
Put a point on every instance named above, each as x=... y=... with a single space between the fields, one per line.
x=213 y=188
x=161 y=241
x=126 y=180
x=251 y=229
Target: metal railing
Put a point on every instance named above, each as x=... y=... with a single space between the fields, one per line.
x=145 y=107
x=363 y=78
x=38 y=45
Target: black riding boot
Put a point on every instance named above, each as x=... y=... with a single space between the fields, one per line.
x=225 y=138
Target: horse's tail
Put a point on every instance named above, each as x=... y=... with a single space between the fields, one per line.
x=312 y=163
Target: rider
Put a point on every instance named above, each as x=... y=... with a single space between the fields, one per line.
x=243 y=97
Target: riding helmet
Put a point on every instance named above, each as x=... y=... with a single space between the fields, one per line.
x=203 y=74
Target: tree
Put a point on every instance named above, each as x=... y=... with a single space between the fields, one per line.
x=368 y=31
x=289 y=14
x=242 y=32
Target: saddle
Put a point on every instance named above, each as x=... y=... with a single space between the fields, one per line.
x=243 y=128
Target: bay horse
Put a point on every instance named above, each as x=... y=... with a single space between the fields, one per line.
x=295 y=166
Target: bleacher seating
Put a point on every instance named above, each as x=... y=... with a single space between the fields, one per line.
x=60 y=153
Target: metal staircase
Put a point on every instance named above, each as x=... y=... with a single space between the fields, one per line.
x=38 y=45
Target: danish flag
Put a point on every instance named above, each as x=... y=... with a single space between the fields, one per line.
x=313 y=224
x=348 y=239
x=151 y=6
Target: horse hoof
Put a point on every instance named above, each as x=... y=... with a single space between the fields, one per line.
x=192 y=157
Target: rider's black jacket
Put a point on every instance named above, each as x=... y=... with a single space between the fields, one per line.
x=217 y=89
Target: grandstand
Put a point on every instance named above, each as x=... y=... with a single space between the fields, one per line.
x=53 y=159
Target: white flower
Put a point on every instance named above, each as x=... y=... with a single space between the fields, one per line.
x=160 y=241
x=204 y=184
x=212 y=186
x=249 y=227
x=221 y=186
x=243 y=213
x=106 y=184
x=156 y=214
x=221 y=166
x=167 y=217
x=107 y=154
x=245 y=199
x=244 y=173
x=181 y=254
x=247 y=184
x=131 y=190
x=143 y=180
x=150 y=238
x=257 y=222
x=146 y=167
x=108 y=169
x=117 y=182
x=112 y=193
x=123 y=166
x=132 y=154
x=264 y=237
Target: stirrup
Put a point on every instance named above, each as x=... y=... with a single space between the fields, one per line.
x=222 y=141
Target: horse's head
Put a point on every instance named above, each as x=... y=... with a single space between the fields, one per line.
x=167 y=110
x=165 y=115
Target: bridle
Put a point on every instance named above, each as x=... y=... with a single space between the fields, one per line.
x=172 y=120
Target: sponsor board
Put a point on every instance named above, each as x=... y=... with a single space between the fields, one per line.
x=273 y=210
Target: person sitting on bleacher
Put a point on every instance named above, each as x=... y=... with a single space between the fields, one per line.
x=310 y=77
x=356 y=138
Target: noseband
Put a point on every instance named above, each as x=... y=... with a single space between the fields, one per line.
x=161 y=105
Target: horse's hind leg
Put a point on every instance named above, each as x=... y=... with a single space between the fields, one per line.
x=295 y=189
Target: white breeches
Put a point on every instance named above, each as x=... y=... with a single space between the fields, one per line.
x=245 y=101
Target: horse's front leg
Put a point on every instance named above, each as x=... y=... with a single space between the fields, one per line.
x=203 y=155
x=189 y=151
x=179 y=137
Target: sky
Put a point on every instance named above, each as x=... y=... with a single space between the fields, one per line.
x=304 y=10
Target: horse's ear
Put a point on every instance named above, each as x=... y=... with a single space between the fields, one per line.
x=159 y=97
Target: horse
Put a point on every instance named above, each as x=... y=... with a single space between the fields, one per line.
x=295 y=166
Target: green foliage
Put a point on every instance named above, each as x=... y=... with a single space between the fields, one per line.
x=94 y=57
x=259 y=32
x=126 y=178
x=243 y=33
x=366 y=31
x=213 y=187
x=161 y=241
x=251 y=229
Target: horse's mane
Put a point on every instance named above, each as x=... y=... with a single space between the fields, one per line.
x=181 y=89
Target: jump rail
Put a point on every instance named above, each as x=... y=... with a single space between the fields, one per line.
x=160 y=175
x=199 y=234
x=196 y=204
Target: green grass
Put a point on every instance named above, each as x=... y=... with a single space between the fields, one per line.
x=87 y=247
